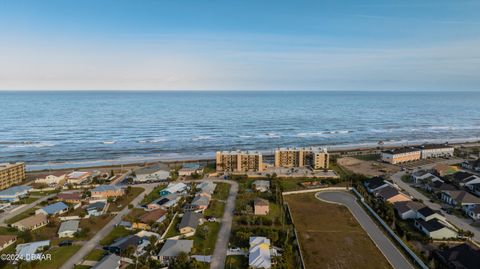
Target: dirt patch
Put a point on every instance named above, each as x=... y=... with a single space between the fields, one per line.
x=368 y=168
x=330 y=237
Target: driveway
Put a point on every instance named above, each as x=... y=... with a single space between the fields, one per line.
x=220 y=253
x=387 y=247
x=462 y=223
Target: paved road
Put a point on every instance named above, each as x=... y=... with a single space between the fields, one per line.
x=462 y=223
x=9 y=215
x=220 y=253
x=389 y=250
x=95 y=240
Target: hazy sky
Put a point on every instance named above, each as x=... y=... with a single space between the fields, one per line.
x=240 y=45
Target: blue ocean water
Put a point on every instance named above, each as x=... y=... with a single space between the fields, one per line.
x=76 y=127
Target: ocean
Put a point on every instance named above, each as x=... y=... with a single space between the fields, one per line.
x=68 y=129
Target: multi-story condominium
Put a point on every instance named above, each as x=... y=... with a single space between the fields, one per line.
x=435 y=151
x=239 y=161
x=402 y=155
x=11 y=174
x=316 y=158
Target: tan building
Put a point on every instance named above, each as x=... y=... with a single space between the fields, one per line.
x=107 y=191
x=402 y=155
x=31 y=223
x=239 y=161
x=11 y=174
x=316 y=158
x=7 y=240
x=261 y=206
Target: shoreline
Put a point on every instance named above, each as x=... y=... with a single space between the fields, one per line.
x=208 y=157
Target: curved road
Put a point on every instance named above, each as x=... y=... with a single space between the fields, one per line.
x=389 y=250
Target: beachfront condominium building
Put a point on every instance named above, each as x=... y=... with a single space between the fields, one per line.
x=402 y=155
x=435 y=151
x=239 y=161
x=316 y=158
x=11 y=174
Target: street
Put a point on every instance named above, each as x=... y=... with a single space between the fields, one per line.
x=8 y=215
x=387 y=247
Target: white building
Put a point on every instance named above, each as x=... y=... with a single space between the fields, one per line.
x=259 y=252
x=28 y=251
x=78 y=177
x=68 y=228
x=436 y=151
x=52 y=179
x=151 y=173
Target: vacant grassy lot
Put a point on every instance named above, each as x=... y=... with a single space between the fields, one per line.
x=117 y=232
x=22 y=215
x=330 y=237
x=215 y=209
x=155 y=194
x=95 y=255
x=205 y=238
x=59 y=256
x=221 y=191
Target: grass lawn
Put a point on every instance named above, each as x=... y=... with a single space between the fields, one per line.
x=123 y=201
x=78 y=266
x=221 y=191
x=22 y=215
x=206 y=244
x=8 y=230
x=93 y=224
x=95 y=255
x=155 y=194
x=236 y=262
x=330 y=237
x=173 y=228
x=117 y=232
x=215 y=209
x=59 y=256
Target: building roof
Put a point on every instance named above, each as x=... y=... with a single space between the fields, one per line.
x=176 y=187
x=260 y=201
x=27 y=250
x=69 y=226
x=405 y=206
x=173 y=248
x=374 y=182
x=431 y=225
x=401 y=150
x=462 y=256
x=460 y=176
x=150 y=169
x=435 y=146
x=77 y=174
x=426 y=211
x=70 y=195
x=261 y=183
x=96 y=206
x=6 y=238
x=103 y=188
x=199 y=200
x=111 y=261
x=165 y=199
x=124 y=242
x=190 y=219
x=54 y=208
x=439 y=185
x=16 y=190
x=191 y=166
x=31 y=221
x=387 y=192
x=259 y=252
x=153 y=215
x=463 y=197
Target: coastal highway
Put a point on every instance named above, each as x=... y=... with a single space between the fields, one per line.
x=95 y=240
x=387 y=247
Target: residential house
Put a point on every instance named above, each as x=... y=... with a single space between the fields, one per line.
x=174 y=188
x=259 y=253
x=151 y=174
x=96 y=208
x=70 y=197
x=53 y=209
x=173 y=248
x=68 y=228
x=28 y=251
x=407 y=209
x=6 y=241
x=424 y=177
x=53 y=178
x=107 y=191
x=460 y=178
x=261 y=185
x=78 y=177
x=395 y=156
x=436 y=229
x=150 y=217
x=207 y=188
x=111 y=261
x=190 y=168
x=375 y=183
x=472 y=165
x=438 y=187
x=165 y=202
x=261 y=206
x=189 y=222
x=461 y=256
x=426 y=213
x=473 y=184
x=200 y=202
x=461 y=199
x=120 y=245
x=31 y=223
x=391 y=195
x=14 y=194
x=442 y=169
x=474 y=212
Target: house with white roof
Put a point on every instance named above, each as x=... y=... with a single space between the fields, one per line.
x=261 y=185
x=68 y=228
x=189 y=168
x=174 y=188
x=15 y=193
x=78 y=177
x=151 y=173
x=28 y=251
x=111 y=261
x=52 y=178
x=259 y=252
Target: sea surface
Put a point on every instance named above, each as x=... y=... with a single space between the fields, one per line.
x=61 y=129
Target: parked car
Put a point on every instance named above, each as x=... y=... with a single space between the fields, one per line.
x=65 y=243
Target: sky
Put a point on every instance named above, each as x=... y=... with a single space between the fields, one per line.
x=240 y=45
